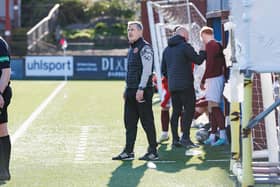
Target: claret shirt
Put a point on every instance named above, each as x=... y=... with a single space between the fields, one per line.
x=215 y=61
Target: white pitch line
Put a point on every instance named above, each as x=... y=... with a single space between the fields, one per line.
x=21 y=130
x=222 y=160
x=81 y=149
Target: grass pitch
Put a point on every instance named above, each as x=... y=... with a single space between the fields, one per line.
x=86 y=117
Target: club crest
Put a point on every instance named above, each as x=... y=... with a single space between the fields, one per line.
x=135 y=50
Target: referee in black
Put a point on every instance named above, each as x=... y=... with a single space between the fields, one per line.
x=138 y=94
x=5 y=97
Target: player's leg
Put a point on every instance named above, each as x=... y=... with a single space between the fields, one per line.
x=130 y=121
x=214 y=127
x=220 y=119
x=147 y=120
x=5 y=142
x=188 y=100
x=5 y=151
x=176 y=112
x=201 y=106
x=218 y=115
x=165 y=118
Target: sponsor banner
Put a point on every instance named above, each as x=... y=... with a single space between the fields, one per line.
x=17 y=69
x=100 y=67
x=49 y=66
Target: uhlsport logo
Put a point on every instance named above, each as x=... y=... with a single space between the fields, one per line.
x=49 y=66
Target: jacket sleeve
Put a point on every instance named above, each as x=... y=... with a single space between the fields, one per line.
x=193 y=56
x=147 y=58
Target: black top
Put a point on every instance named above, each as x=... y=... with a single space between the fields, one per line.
x=139 y=65
x=177 y=61
x=4 y=55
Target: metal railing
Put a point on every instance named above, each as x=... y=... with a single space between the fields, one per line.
x=254 y=122
x=43 y=28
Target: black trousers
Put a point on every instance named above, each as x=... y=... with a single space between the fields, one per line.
x=183 y=103
x=135 y=111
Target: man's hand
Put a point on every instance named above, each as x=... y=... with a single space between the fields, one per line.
x=2 y=102
x=202 y=86
x=140 y=96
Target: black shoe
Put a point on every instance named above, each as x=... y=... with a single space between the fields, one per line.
x=176 y=144
x=124 y=156
x=188 y=144
x=4 y=175
x=149 y=156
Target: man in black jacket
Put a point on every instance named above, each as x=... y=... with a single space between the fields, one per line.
x=138 y=94
x=177 y=61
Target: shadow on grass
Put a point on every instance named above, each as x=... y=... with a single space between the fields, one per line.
x=2 y=183
x=126 y=175
x=172 y=161
x=176 y=160
x=218 y=156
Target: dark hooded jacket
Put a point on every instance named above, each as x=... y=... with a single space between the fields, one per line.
x=177 y=61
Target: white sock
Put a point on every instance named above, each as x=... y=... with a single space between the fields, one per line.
x=223 y=134
x=193 y=123
x=181 y=135
x=227 y=119
x=212 y=137
x=164 y=133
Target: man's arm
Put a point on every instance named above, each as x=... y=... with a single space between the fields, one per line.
x=5 y=78
x=146 y=55
x=193 y=56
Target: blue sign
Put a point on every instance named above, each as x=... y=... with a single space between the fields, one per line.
x=100 y=67
x=17 y=67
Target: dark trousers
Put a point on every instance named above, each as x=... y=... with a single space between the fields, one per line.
x=183 y=102
x=135 y=110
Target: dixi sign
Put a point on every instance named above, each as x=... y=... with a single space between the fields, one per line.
x=100 y=67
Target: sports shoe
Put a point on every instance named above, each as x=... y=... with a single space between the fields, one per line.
x=149 y=156
x=4 y=175
x=176 y=143
x=163 y=138
x=124 y=156
x=209 y=141
x=220 y=141
x=188 y=143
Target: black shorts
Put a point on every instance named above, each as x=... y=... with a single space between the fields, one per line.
x=7 y=95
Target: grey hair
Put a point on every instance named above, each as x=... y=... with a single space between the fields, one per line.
x=137 y=23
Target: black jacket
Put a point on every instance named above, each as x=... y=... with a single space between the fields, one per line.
x=139 y=65
x=177 y=61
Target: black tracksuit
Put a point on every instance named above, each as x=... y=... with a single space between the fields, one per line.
x=177 y=67
x=139 y=76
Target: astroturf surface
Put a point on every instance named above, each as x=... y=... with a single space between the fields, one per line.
x=45 y=154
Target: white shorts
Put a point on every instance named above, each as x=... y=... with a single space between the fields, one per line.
x=214 y=88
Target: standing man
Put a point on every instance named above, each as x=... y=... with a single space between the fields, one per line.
x=213 y=82
x=177 y=61
x=5 y=96
x=138 y=94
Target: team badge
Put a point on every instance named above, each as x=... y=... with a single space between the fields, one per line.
x=135 y=50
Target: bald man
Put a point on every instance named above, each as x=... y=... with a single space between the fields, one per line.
x=177 y=61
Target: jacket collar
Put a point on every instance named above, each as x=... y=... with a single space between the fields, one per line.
x=137 y=42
